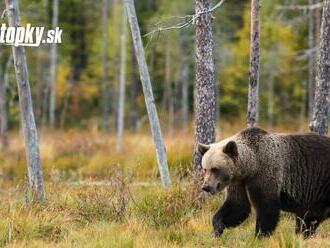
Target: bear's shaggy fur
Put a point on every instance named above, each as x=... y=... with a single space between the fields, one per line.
x=271 y=172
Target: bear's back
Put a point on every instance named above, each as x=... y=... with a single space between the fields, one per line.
x=307 y=172
x=302 y=158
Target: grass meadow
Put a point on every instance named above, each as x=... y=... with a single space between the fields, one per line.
x=97 y=197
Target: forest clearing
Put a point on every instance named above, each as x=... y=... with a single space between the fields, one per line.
x=157 y=123
x=99 y=198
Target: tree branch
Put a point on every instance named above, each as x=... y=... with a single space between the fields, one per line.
x=189 y=19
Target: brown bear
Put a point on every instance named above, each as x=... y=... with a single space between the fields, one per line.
x=270 y=172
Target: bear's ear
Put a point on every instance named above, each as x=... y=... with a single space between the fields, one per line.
x=231 y=149
x=203 y=148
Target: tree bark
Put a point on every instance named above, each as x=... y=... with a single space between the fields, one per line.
x=122 y=86
x=133 y=93
x=184 y=78
x=36 y=183
x=106 y=67
x=147 y=90
x=205 y=93
x=53 y=70
x=253 y=98
x=4 y=104
x=319 y=123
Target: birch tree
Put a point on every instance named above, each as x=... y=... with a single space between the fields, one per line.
x=36 y=183
x=148 y=94
x=205 y=92
x=319 y=122
x=122 y=85
x=53 y=69
x=4 y=103
x=106 y=67
x=253 y=98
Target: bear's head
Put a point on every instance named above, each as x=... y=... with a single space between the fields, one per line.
x=218 y=165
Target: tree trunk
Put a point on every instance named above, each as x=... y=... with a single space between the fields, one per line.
x=36 y=182
x=253 y=99
x=149 y=98
x=311 y=44
x=205 y=97
x=121 y=102
x=184 y=78
x=53 y=70
x=134 y=93
x=4 y=104
x=319 y=123
x=106 y=67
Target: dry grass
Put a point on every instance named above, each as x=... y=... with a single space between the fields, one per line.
x=97 y=197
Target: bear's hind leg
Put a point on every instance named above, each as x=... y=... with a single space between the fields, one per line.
x=234 y=211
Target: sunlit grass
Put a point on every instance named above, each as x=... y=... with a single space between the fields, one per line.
x=98 y=197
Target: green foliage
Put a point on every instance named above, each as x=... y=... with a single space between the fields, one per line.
x=283 y=42
x=278 y=46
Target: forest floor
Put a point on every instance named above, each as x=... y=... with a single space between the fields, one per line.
x=97 y=197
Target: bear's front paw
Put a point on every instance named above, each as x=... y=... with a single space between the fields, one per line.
x=218 y=229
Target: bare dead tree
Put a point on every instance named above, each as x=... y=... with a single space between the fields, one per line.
x=253 y=99
x=148 y=94
x=319 y=122
x=36 y=183
x=53 y=70
x=106 y=67
x=122 y=86
x=205 y=94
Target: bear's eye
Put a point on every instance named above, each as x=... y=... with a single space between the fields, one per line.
x=215 y=170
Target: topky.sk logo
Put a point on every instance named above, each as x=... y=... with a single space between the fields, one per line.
x=29 y=36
